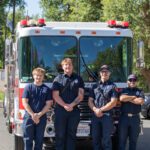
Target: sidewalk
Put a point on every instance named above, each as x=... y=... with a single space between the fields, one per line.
x=1 y=104
x=2 y=83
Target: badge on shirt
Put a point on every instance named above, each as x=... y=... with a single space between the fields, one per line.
x=44 y=90
x=76 y=81
x=137 y=93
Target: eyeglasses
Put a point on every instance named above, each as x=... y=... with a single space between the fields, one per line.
x=104 y=72
x=132 y=80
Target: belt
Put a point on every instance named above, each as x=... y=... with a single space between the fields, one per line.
x=107 y=114
x=130 y=114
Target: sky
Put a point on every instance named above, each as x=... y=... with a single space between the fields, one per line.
x=33 y=8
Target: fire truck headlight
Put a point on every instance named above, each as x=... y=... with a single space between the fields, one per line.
x=50 y=130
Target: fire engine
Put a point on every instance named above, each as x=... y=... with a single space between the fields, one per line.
x=45 y=44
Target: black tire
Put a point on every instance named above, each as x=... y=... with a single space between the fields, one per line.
x=4 y=109
x=148 y=113
x=49 y=144
x=18 y=143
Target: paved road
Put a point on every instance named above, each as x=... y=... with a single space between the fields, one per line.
x=6 y=139
x=144 y=140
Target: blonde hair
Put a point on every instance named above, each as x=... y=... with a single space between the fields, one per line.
x=66 y=60
x=38 y=70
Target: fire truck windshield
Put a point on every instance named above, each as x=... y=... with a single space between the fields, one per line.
x=88 y=54
x=113 y=51
x=46 y=52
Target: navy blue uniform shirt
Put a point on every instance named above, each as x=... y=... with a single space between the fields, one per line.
x=68 y=87
x=37 y=96
x=128 y=107
x=102 y=93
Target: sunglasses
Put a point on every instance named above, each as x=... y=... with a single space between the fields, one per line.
x=104 y=71
x=132 y=80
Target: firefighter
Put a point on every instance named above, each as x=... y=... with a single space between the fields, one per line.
x=129 y=124
x=37 y=100
x=102 y=99
x=68 y=91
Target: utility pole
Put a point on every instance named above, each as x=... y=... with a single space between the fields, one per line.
x=13 y=25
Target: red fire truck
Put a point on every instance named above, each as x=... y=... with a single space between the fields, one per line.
x=45 y=44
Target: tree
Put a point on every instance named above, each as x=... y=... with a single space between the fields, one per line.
x=137 y=12
x=72 y=10
x=85 y=10
x=3 y=23
x=52 y=9
x=144 y=34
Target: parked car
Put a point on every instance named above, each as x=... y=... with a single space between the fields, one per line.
x=146 y=107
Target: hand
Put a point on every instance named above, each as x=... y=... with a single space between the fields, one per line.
x=36 y=118
x=68 y=107
x=98 y=112
x=133 y=97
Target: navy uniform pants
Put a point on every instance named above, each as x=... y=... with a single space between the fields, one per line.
x=33 y=132
x=66 y=124
x=129 y=127
x=102 y=129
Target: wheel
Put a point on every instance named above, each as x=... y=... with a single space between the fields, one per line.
x=148 y=113
x=4 y=109
x=18 y=143
x=9 y=125
x=49 y=143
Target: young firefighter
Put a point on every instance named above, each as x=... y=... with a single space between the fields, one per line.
x=129 y=124
x=102 y=99
x=68 y=92
x=37 y=100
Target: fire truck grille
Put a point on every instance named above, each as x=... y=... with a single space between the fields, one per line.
x=84 y=108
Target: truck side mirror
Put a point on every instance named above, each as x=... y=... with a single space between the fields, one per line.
x=140 y=63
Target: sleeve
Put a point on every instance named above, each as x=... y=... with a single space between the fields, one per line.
x=49 y=94
x=26 y=92
x=56 y=86
x=114 y=93
x=142 y=94
x=81 y=83
x=124 y=92
x=91 y=92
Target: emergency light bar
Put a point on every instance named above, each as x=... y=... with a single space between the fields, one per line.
x=23 y=23
x=119 y=24
x=41 y=22
x=32 y=23
x=125 y=24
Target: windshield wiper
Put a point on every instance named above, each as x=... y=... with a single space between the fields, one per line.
x=88 y=70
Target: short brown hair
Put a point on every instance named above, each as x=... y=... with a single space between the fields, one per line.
x=66 y=60
x=38 y=70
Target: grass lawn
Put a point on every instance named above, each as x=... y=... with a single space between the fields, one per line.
x=1 y=96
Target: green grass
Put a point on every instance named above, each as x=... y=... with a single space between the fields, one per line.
x=1 y=96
